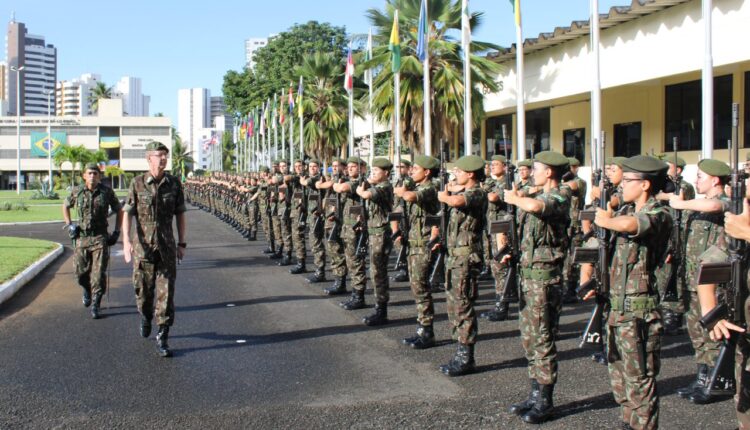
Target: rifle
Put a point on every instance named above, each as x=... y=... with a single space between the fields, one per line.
x=670 y=292
x=441 y=220
x=334 y=203
x=360 y=211
x=600 y=257
x=734 y=275
x=315 y=200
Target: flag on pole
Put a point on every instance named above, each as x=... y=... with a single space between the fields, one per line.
x=291 y=99
x=368 y=57
x=516 y=11
x=466 y=28
x=263 y=122
x=299 y=98
x=395 y=46
x=349 y=79
x=251 y=125
x=422 y=32
x=281 y=109
x=274 y=118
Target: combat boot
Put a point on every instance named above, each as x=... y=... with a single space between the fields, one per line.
x=521 y=408
x=499 y=313
x=425 y=338
x=86 y=297
x=287 y=260
x=672 y=322
x=700 y=381
x=402 y=275
x=269 y=250
x=161 y=341
x=356 y=301
x=318 y=276
x=542 y=409
x=338 y=287
x=95 y=306
x=299 y=268
x=253 y=236
x=278 y=254
x=145 y=326
x=379 y=317
x=462 y=362
x=708 y=394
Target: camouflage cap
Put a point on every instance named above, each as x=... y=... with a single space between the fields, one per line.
x=426 y=162
x=382 y=163
x=644 y=164
x=551 y=158
x=573 y=162
x=355 y=160
x=525 y=163
x=91 y=166
x=470 y=163
x=156 y=146
x=500 y=158
x=714 y=167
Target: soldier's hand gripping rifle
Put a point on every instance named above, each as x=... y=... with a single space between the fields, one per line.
x=733 y=274
x=676 y=266
x=600 y=257
x=441 y=220
x=403 y=220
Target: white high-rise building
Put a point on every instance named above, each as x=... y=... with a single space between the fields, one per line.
x=72 y=96
x=193 y=116
x=39 y=73
x=220 y=118
x=134 y=103
x=252 y=45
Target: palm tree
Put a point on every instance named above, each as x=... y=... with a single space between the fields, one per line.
x=182 y=159
x=100 y=91
x=446 y=69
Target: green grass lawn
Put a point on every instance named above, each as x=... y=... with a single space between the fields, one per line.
x=16 y=254
x=11 y=196
x=39 y=210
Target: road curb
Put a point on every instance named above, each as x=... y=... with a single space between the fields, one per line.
x=31 y=223
x=7 y=289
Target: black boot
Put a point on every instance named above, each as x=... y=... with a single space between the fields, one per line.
x=86 y=297
x=286 y=261
x=462 y=362
x=338 y=287
x=708 y=394
x=145 y=326
x=672 y=322
x=318 y=276
x=161 y=341
x=356 y=301
x=698 y=383
x=269 y=250
x=570 y=297
x=380 y=317
x=521 y=408
x=278 y=254
x=499 y=313
x=402 y=275
x=299 y=268
x=542 y=409
x=599 y=357
x=95 y=306
x=425 y=338
x=253 y=236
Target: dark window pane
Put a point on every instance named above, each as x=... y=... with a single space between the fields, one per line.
x=683 y=115
x=494 y=132
x=627 y=139
x=574 y=143
x=537 y=131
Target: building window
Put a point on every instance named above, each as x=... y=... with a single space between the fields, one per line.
x=494 y=133
x=683 y=114
x=627 y=139
x=537 y=131
x=574 y=144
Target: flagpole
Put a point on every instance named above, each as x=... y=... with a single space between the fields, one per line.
x=369 y=98
x=281 y=126
x=395 y=42
x=426 y=83
x=466 y=41
x=274 y=120
x=301 y=122
x=351 y=111
x=596 y=91
x=291 y=137
x=707 y=83
x=520 y=105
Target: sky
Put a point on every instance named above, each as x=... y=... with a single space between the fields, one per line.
x=173 y=44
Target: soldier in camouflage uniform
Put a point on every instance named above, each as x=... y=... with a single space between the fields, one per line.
x=577 y=188
x=421 y=203
x=704 y=228
x=298 y=217
x=543 y=248
x=349 y=232
x=253 y=209
x=334 y=245
x=90 y=237
x=284 y=210
x=377 y=193
x=402 y=267
x=315 y=220
x=634 y=325
x=154 y=199
x=274 y=181
x=264 y=208
x=468 y=203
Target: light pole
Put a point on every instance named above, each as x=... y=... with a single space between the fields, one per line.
x=18 y=126
x=49 y=134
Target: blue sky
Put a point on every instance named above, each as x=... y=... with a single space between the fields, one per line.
x=174 y=44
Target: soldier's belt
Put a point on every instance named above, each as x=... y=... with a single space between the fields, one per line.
x=92 y=233
x=540 y=274
x=460 y=251
x=376 y=230
x=633 y=304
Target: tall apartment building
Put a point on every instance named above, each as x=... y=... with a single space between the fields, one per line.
x=39 y=74
x=72 y=96
x=3 y=73
x=219 y=110
x=194 y=115
x=252 y=45
x=134 y=103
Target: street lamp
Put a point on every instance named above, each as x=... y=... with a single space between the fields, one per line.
x=49 y=134
x=18 y=126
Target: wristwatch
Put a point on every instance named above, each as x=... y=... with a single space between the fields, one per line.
x=182 y=245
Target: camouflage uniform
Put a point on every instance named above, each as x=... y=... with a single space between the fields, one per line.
x=253 y=209
x=355 y=265
x=285 y=220
x=419 y=253
x=298 y=219
x=335 y=248
x=496 y=211
x=154 y=204
x=378 y=208
x=91 y=253
x=634 y=324
x=264 y=209
x=317 y=234
x=575 y=235
x=683 y=299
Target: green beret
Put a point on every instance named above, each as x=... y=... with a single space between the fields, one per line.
x=382 y=163
x=614 y=160
x=275 y=163
x=313 y=160
x=426 y=162
x=644 y=164
x=355 y=160
x=525 y=163
x=299 y=161
x=91 y=166
x=670 y=159
x=283 y=160
x=156 y=146
x=264 y=168
x=340 y=160
x=500 y=158
x=406 y=162
x=714 y=167
x=573 y=162
x=470 y=163
x=551 y=158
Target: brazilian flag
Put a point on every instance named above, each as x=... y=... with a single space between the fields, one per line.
x=41 y=144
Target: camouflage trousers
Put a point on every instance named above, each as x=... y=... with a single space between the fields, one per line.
x=317 y=244
x=285 y=227
x=335 y=250
x=571 y=271
x=662 y=277
x=276 y=229
x=252 y=217
x=419 y=274
x=267 y=227
x=499 y=272
x=91 y=258
x=379 y=267
x=706 y=350
x=634 y=363
x=154 y=280
x=539 y=322
x=354 y=265
x=486 y=248
x=461 y=292
x=299 y=229
x=742 y=376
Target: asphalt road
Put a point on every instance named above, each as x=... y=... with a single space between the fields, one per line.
x=256 y=347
